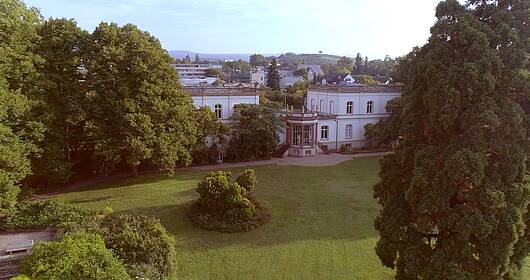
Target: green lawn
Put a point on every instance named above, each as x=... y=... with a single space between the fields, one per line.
x=321 y=225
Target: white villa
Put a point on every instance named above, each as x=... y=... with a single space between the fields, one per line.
x=223 y=100
x=333 y=116
x=336 y=116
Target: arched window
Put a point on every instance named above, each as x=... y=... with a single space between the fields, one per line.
x=331 y=107
x=369 y=107
x=349 y=131
x=218 y=110
x=312 y=104
x=322 y=108
x=324 y=132
x=349 y=107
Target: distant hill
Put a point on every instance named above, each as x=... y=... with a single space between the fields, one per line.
x=211 y=56
x=287 y=57
x=311 y=58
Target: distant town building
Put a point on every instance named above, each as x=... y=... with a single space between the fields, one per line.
x=257 y=77
x=208 y=81
x=313 y=70
x=194 y=70
x=338 y=79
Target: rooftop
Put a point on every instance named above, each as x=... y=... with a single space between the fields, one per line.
x=219 y=91
x=356 y=88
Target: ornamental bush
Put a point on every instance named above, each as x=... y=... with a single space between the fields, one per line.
x=227 y=206
x=78 y=256
x=221 y=197
x=247 y=179
x=142 y=242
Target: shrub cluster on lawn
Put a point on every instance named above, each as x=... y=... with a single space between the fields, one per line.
x=142 y=243
x=225 y=205
x=34 y=215
x=145 y=246
x=77 y=256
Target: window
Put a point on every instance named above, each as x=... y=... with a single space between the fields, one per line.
x=321 y=105
x=331 y=107
x=349 y=107
x=308 y=152
x=308 y=131
x=297 y=135
x=324 y=132
x=312 y=104
x=369 y=107
x=387 y=107
x=218 y=110
x=349 y=131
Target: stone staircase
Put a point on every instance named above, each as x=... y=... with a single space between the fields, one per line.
x=9 y=266
x=279 y=153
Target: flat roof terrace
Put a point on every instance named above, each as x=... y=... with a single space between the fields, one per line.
x=355 y=88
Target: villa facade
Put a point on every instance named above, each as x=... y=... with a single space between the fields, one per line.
x=333 y=117
x=223 y=100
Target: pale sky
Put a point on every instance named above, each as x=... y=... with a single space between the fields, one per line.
x=372 y=27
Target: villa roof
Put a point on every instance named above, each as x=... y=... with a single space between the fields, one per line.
x=355 y=88
x=220 y=91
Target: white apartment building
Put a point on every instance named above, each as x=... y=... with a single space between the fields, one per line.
x=194 y=70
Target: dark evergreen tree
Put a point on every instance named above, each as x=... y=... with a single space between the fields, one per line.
x=358 y=64
x=197 y=59
x=510 y=23
x=273 y=76
x=455 y=193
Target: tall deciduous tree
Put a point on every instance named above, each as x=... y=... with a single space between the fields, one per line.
x=62 y=100
x=256 y=130
x=257 y=60
x=455 y=193
x=18 y=79
x=273 y=75
x=140 y=112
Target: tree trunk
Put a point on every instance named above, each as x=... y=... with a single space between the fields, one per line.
x=134 y=170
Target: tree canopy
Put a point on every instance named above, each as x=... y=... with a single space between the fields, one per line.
x=20 y=132
x=140 y=113
x=256 y=130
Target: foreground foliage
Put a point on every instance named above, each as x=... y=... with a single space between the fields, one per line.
x=37 y=215
x=455 y=193
x=141 y=242
x=79 y=256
